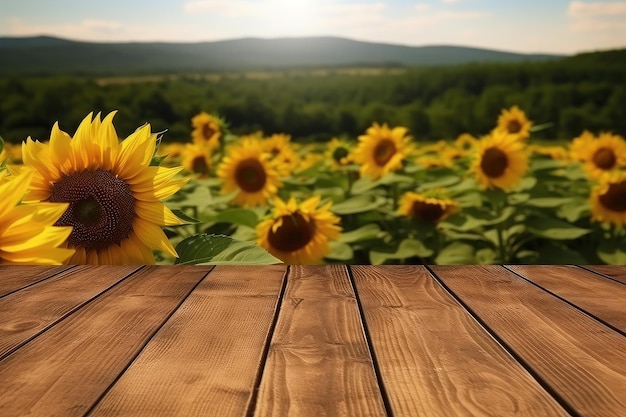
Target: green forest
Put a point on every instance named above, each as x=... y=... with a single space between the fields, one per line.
x=566 y=96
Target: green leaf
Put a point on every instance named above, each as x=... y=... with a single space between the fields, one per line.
x=408 y=248
x=242 y=216
x=340 y=251
x=358 y=204
x=221 y=250
x=548 y=202
x=574 y=210
x=554 y=229
x=365 y=184
x=156 y=160
x=444 y=182
x=367 y=232
x=184 y=216
x=456 y=253
x=612 y=255
x=1 y=144
x=557 y=253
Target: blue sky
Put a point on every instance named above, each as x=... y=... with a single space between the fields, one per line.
x=559 y=26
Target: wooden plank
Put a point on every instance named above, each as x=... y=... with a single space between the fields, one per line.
x=577 y=357
x=65 y=370
x=598 y=296
x=15 y=277
x=28 y=312
x=616 y=272
x=434 y=358
x=205 y=360
x=319 y=362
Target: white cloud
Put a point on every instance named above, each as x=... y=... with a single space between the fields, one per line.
x=451 y=1
x=581 y=9
x=598 y=19
x=422 y=7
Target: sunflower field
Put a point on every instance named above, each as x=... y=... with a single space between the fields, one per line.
x=380 y=198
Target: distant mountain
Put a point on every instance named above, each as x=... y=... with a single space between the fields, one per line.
x=48 y=55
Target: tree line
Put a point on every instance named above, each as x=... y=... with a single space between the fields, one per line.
x=571 y=95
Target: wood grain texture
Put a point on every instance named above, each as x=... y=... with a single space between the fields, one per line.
x=579 y=358
x=205 y=360
x=13 y=277
x=319 y=362
x=616 y=272
x=26 y=313
x=601 y=297
x=65 y=370
x=434 y=358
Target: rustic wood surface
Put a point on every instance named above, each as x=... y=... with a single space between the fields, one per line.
x=330 y=340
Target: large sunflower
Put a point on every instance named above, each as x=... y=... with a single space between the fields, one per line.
x=426 y=209
x=27 y=234
x=299 y=233
x=114 y=194
x=501 y=161
x=514 y=121
x=207 y=130
x=604 y=154
x=382 y=150
x=608 y=199
x=247 y=169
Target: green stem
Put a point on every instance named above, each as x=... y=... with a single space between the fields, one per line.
x=502 y=249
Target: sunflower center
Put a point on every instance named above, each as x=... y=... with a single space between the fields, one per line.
x=101 y=208
x=430 y=213
x=384 y=151
x=615 y=197
x=339 y=154
x=494 y=162
x=604 y=158
x=514 y=126
x=250 y=175
x=199 y=165
x=207 y=131
x=294 y=233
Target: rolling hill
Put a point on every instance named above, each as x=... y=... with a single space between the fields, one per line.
x=48 y=55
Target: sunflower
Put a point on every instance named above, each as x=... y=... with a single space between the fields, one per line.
x=578 y=148
x=604 y=154
x=197 y=159
x=501 y=161
x=247 y=169
x=299 y=233
x=114 y=194
x=338 y=154
x=27 y=234
x=465 y=142
x=426 y=209
x=608 y=199
x=282 y=154
x=382 y=150
x=514 y=121
x=207 y=129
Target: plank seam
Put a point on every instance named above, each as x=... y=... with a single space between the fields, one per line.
x=254 y=395
x=143 y=346
x=370 y=346
x=66 y=315
x=600 y=274
x=63 y=271
x=582 y=310
x=505 y=346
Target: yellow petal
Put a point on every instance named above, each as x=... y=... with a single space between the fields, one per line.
x=157 y=213
x=152 y=236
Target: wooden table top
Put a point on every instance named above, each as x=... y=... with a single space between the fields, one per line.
x=313 y=341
